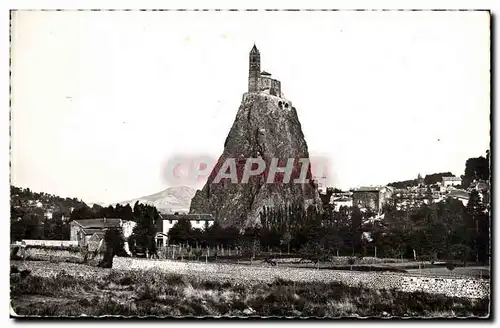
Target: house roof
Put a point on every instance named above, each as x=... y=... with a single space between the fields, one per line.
x=482 y=185
x=96 y=236
x=201 y=217
x=99 y=223
x=457 y=193
x=452 y=179
x=265 y=73
x=343 y=199
x=92 y=231
x=361 y=189
x=254 y=49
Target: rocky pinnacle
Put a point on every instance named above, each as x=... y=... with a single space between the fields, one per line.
x=266 y=127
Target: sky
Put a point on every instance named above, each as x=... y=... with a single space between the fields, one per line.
x=100 y=101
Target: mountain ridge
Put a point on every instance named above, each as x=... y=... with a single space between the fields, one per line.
x=169 y=200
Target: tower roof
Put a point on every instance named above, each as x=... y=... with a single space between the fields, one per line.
x=254 y=49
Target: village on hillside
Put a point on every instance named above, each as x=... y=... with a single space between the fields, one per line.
x=375 y=197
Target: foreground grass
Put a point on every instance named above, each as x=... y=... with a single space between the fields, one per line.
x=153 y=292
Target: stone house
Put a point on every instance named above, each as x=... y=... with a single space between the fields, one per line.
x=372 y=198
x=90 y=232
x=341 y=199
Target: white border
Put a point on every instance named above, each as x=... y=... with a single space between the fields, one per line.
x=161 y=4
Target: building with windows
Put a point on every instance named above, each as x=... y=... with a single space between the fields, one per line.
x=451 y=181
x=89 y=233
x=167 y=221
x=371 y=197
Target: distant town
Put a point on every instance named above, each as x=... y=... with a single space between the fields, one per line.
x=408 y=195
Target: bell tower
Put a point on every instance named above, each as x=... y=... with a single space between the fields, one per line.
x=254 y=70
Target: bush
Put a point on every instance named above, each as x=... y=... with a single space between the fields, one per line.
x=450 y=266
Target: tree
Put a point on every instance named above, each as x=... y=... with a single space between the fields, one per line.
x=34 y=227
x=474 y=205
x=96 y=209
x=356 y=221
x=285 y=240
x=214 y=234
x=450 y=266
x=459 y=252
x=181 y=232
x=250 y=242
x=143 y=235
x=404 y=184
x=313 y=252
x=229 y=236
x=61 y=228
x=197 y=237
x=82 y=212
x=478 y=226
x=431 y=179
x=114 y=246
x=428 y=195
x=269 y=238
x=127 y=213
x=351 y=261
x=477 y=168
x=325 y=198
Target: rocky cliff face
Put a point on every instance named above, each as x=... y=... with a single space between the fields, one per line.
x=265 y=127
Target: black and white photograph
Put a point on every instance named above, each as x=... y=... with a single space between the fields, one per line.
x=250 y=163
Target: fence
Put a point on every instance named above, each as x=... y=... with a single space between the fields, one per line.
x=174 y=252
x=183 y=252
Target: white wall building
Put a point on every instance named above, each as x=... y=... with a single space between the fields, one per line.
x=198 y=221
x=341 y=201
x=451 y=181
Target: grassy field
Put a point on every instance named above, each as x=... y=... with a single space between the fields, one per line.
x=71 y=290
x=469 y=271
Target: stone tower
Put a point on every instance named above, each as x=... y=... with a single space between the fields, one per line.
x=254 y=70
